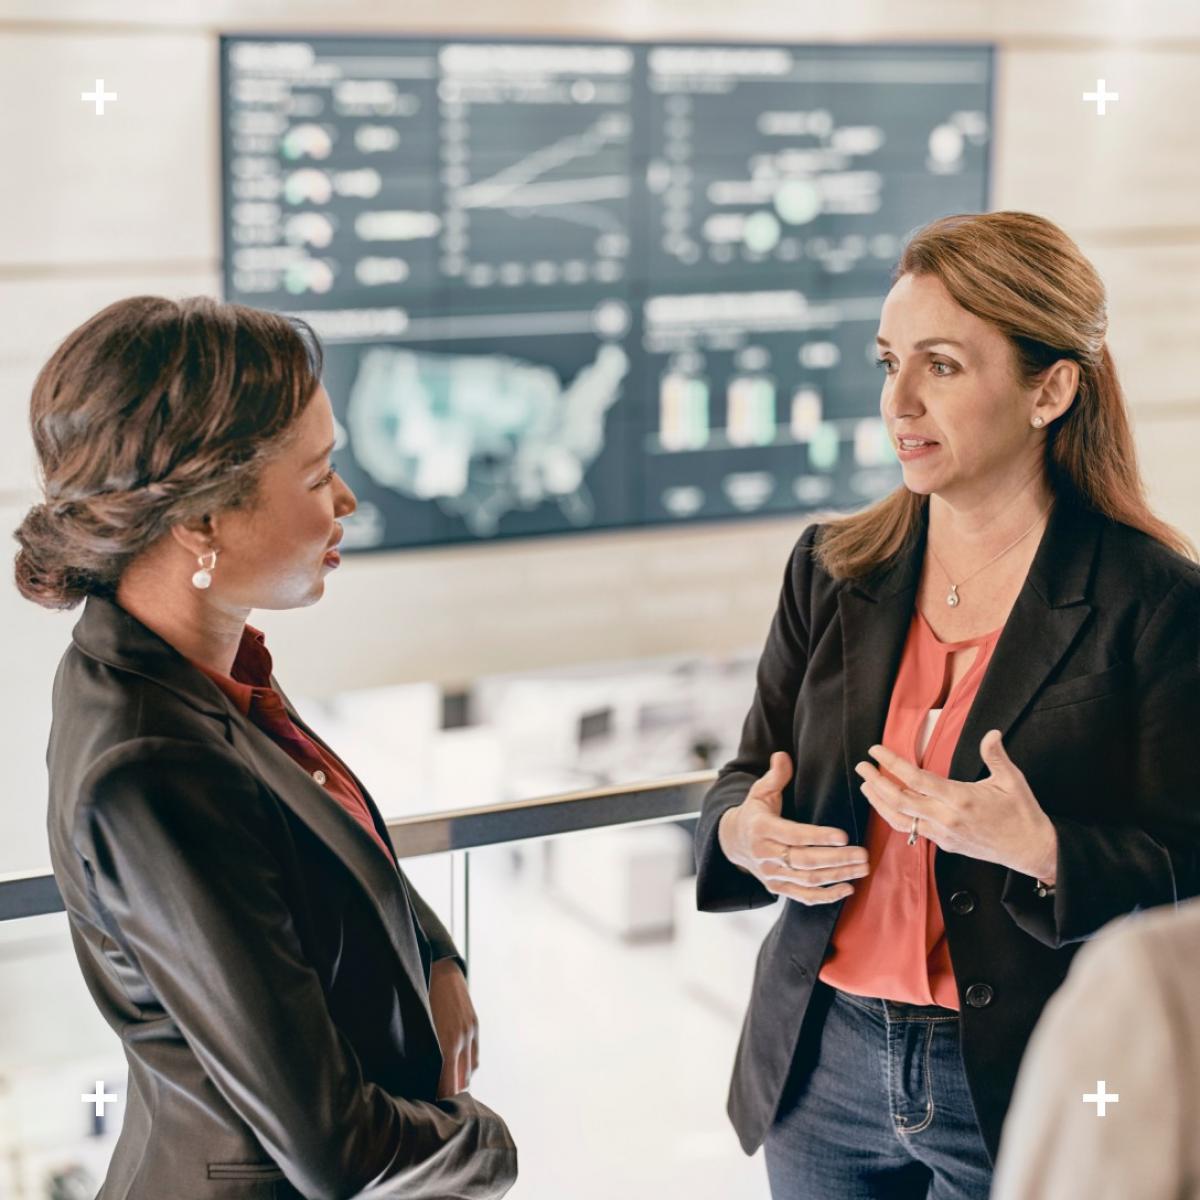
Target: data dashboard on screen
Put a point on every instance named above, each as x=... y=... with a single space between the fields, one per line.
x=568 y=285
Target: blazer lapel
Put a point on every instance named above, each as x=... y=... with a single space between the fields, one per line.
x=1049 y=612
x=109 y=634
x=372 y=807
x=342 y=834
x=376 y=818
x=875 y=614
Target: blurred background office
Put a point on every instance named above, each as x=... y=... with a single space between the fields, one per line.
x=598 y=287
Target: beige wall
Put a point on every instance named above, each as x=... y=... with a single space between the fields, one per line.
x=96 y=209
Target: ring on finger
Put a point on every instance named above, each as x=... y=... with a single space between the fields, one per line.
x=787 y=858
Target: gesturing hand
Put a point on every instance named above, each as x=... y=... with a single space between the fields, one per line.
x=997 y=819
x=456 y=1024
x=789 y=858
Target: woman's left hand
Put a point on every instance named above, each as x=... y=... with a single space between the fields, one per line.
x=997 y=819
x=456 y=1024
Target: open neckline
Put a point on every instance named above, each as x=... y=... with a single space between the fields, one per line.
x=956 y=694
x=975 y=641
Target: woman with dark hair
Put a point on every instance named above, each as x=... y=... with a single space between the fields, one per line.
x=295 y=1018
x=988 y=683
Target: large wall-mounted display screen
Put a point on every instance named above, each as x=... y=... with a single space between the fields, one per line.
x=580 y=285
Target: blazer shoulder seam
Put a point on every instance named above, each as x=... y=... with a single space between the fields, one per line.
x=133 y=753
x=153 y=751
x=1162 y=606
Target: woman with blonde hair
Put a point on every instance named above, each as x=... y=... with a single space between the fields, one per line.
x=987 y=683
x=295 y=1018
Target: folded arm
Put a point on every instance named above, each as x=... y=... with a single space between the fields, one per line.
x=177 y=846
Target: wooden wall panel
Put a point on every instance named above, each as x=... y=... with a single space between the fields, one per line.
x=1154 y=323
x=1135 y=169
x=138 y=184
x=452 y=614
x=1167 y=454
x=1012 y=20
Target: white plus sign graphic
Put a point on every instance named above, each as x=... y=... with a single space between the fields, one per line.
x=100 y=1098
x=1100 y=1097
x=100 y=95
x=1100 y=96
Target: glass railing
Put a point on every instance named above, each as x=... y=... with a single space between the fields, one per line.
x=33 y=893
x=602 y=995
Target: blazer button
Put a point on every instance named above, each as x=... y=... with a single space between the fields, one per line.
x=962 y=903
x=979 y=995
x=319 y=776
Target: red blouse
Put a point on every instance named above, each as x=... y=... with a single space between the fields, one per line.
x=890 y=938
x=250 y=689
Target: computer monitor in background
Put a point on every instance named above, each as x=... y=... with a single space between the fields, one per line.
x=582 y=285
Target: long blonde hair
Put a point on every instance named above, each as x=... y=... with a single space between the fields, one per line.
x=1025 y=276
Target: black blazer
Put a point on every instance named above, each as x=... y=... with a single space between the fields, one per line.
x=264 y=965
x=1095 y=685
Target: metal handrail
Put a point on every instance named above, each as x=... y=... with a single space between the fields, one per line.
x=34 y=893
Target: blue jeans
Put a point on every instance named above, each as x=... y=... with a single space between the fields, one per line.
x=879 y=1109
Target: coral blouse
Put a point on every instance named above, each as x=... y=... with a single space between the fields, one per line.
x=890 y=938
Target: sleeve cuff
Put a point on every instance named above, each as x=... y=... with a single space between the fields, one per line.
x=720 y=886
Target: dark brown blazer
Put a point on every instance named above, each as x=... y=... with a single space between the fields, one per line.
x=1094 y=684
x=264 y=965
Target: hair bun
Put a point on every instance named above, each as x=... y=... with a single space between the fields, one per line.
x=41 y=573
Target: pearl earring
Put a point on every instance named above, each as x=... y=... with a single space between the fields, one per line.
x=203 y=577
x=1038 y=422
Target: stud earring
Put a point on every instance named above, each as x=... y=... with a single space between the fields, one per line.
x=203 y=577
x=1038 y=422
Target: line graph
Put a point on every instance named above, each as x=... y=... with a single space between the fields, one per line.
x=610 y=129
x=565 y=200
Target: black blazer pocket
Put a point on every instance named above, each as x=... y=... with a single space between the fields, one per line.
x=1083 y=688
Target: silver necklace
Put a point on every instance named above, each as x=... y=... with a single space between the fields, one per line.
x=952 y=597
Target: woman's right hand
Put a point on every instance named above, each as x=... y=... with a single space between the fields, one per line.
x=756 y=838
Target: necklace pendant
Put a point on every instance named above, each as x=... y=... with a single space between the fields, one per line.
x=952 y=596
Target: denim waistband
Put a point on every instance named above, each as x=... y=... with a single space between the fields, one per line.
x=897 y=1010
